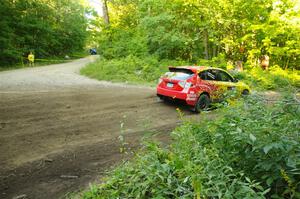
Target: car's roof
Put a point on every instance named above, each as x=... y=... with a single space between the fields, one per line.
x=195 y=69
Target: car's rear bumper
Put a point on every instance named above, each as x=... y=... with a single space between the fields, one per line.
x=189 y=98
x=171 y=93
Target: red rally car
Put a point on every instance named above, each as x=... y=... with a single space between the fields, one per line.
x=198 y=86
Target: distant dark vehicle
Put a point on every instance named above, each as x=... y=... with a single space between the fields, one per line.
x=93 y=51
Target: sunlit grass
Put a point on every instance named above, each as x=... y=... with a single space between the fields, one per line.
x=274 y=78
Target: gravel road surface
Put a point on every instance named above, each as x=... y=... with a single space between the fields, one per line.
x=59 y=130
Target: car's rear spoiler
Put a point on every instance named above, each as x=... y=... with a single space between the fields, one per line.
x=179 y=69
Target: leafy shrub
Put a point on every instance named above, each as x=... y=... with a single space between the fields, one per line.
x=250 y=151
x=176 y=174
x=261 y=142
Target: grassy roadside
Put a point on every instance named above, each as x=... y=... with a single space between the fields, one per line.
x=131 y=69
x=44 y=62
x=273 y=79
x=249 y=151
x=36 y=64
x=147 y=70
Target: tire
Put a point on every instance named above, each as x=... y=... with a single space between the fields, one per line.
x=245 y=92
x=161 y=98
x=202 y=103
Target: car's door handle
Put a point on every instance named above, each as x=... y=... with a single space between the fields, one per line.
x=230 y=88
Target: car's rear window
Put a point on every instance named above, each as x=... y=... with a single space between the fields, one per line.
x=179 y=74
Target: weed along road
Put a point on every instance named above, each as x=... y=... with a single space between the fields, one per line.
x=59 y=130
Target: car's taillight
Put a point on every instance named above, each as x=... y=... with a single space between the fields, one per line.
x=188 y=85
x=184 y=84
x=181 y=84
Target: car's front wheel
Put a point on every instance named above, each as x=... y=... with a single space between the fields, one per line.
x=202 y=103
x=245 y=92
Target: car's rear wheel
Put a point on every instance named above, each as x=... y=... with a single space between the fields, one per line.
x=202 y=103
x=161 y=97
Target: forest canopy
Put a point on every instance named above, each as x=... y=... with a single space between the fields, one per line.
x=46 y=27
x=235 y=30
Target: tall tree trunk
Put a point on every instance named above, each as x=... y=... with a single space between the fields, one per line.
x=205 y=42
x=105 y=11
x=214 y=50
x=218 y=49
x=287 y=63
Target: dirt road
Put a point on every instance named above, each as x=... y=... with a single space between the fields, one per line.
x=59 y=130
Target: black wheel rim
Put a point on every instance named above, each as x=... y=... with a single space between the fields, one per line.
x=202 y=104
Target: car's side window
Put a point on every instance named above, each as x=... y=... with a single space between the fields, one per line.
x=202 y=75
x=224 y=77
x=208 y=75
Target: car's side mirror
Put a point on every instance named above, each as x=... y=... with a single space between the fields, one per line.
x=235 y=80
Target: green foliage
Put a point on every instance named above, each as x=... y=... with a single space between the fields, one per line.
x=194 y=30
x=250 y=150
x=261 y=142
x=130 y=69
x=219 y=61
x=128 y=43
x=49 y=28
x=275 y=78
x=148 y=69
x=142 y=35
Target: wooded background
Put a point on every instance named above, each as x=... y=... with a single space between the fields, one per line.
x=46 y=27
x=235 y=30
x=190 y=30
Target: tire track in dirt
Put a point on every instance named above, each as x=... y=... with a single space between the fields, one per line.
x=58 y=135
